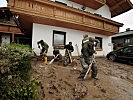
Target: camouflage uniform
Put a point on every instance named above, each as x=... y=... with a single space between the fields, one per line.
x=44 y=46
x=87 y=55
x=69 y=49
x=57 y=53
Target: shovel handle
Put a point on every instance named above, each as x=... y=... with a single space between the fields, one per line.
x=89 y=68
x=53 y=59
x=69 y=55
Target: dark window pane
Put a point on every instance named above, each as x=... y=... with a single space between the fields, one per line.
x=59 y=38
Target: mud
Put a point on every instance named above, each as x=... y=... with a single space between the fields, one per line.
x=60 y=83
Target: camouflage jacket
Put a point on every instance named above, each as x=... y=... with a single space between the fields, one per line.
x=88 y=45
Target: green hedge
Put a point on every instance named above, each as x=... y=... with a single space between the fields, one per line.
x=15 y=64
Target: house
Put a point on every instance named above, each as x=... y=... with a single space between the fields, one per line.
x=123 y=38
x=10 y=29
x=60 y=21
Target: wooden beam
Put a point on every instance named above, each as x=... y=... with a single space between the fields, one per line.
x=117 y=5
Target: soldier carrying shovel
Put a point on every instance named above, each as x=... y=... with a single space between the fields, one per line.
x=87 y=53
x=44 y=50
x=68 y=56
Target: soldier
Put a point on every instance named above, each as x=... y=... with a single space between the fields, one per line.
x=57 y=54
x=87 y=53
x=44 y=49
x=69 y=49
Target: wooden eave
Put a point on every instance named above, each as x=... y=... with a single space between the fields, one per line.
x=118 y=7
x=29 y=14
x=94 y=4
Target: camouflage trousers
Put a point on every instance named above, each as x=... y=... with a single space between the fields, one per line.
x=67 y=59
x=85 y=64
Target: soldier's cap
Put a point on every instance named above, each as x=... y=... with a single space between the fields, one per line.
x=91 y=39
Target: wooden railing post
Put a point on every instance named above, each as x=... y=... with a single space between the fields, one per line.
x=11 y=3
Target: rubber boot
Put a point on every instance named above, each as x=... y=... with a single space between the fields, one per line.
x=45 y=60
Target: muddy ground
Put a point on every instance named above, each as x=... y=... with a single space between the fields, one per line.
x=61 y=83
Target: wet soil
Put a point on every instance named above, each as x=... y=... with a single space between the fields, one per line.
x=60 y=83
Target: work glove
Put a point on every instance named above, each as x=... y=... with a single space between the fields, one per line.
x=38 y=46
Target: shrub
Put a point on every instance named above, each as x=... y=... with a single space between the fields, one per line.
x=15 y=64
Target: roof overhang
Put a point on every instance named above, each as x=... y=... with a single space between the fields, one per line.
x=94 y=4
x=123 y=33
x=118 y=7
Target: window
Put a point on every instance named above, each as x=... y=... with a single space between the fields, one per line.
x=128 y=50
x=127 y=40
x=59 y=39
x=99 y=45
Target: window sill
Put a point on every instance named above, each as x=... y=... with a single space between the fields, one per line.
x=99 y=49
x=58 y=46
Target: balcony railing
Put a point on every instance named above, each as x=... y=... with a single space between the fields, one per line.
x=52 y=10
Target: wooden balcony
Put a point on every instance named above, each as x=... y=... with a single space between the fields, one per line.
x=94 y=4
x=9 y=28
x=50 y=13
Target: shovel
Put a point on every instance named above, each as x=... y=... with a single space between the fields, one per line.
x=69 y=55
x=72 y=61
x=53 y=59
x=89 y=68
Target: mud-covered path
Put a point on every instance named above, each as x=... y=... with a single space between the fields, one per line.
x=61 y=83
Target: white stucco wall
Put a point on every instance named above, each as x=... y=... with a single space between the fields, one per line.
x=45 y=33
x=104 y=10
x=5 y=38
